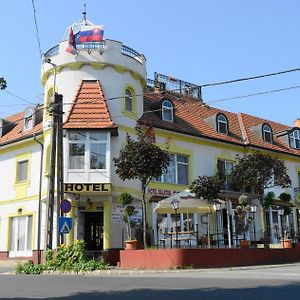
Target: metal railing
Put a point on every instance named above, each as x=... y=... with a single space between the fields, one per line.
x=132 y=53
x=168 y=83
x=100 y=46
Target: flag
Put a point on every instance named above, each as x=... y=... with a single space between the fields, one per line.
x=72 y=45
x=93 y=33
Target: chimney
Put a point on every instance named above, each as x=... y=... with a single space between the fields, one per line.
x=297 y=123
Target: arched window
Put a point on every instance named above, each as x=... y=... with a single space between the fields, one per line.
x=295 y=139
x=28 y=119
x=167 y=111
x=128 y=100
x=267 y=133
x=222 y=124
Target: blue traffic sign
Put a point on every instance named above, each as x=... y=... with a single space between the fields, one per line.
x=65 y=206
x=65 y=225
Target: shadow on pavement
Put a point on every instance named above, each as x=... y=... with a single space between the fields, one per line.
x=290 y=291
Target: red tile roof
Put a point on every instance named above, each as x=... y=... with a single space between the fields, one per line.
x=89 y=110
x=17 y=132
x=191 y=117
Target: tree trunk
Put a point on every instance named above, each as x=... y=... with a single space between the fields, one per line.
x=266 y=242
x=144 y=215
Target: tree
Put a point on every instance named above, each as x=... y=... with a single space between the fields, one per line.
x=3 y=83
x=141 y=159
x=207 y=187
x=259 y=172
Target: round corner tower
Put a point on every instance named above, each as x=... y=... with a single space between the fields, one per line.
x=120 y=70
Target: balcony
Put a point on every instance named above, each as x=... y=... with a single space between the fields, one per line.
x=99 y=46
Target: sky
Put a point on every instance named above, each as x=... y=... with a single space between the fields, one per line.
x=195 y=40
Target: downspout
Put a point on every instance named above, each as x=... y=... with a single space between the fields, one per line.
x=40 y=201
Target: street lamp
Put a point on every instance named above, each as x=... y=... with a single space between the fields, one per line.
x=253 y=208
x=175 y=205
x=217 y=207
x=280 y=211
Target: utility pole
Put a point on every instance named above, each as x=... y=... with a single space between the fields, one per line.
x=60 y=169
x=51 y=187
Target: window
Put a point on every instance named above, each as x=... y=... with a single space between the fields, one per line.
x=224 y=170
x=22 y=170
x=87 y=150
x=167 y=111
x=295 y=139
x=177 y=171
x=267 y=133
x=128 y=100
x=222 y=124
x=28 y=119
x=21 y=236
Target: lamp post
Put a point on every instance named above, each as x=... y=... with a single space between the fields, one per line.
x=253 y=211
x=217 y=208
x=280 y=211
x=175 y=205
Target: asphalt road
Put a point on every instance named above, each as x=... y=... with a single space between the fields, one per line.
x=280 y=282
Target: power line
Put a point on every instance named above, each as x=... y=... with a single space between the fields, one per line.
x=160 y=109
x=36 y=27
x=18 y=97
x=255 y=94
x=250 y=78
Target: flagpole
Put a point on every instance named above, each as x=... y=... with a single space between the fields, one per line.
x=84 y=11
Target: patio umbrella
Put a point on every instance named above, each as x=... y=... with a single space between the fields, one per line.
x=188 y=203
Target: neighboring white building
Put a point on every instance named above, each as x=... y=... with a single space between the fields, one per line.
x=105 y=92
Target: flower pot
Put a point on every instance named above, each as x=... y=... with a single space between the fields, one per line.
x=286 y=243
x=131 y=245
x=244 y=244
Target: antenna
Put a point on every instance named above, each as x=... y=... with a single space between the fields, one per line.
x=84 y=11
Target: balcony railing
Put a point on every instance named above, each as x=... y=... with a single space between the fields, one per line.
x=100 y=46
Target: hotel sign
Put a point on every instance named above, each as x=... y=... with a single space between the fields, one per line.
x=87 y=187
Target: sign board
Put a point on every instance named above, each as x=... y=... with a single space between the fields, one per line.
x=87 y=187
x=65 y=206
x=65 y=225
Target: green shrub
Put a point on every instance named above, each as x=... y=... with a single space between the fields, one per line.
x=29 y=268
x=65 y=258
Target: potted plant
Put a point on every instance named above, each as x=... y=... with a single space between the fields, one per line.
x=242 y=220
x=128 y=213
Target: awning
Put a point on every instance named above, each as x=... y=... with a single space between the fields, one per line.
x=282 y=203
x=188 y=203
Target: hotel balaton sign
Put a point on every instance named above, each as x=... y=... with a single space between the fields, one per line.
x=87 y=187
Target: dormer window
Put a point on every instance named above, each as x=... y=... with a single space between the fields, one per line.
x=222 y=124
x=167 y=111
x=29 y=119
x=295 y=139
x=267 y=133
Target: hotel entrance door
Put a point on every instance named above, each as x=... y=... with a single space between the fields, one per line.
x=93 y=230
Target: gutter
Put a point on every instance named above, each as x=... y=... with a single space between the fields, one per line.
x=40 y=200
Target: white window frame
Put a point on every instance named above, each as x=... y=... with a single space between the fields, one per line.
x=19 y=162
x=168 y=107
x=87 y=154
x=222 y=119
x=295 y=139
x=28 y=116
x=177 y=163
x=27 y=243
x=266 y=129
x=128 y=99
